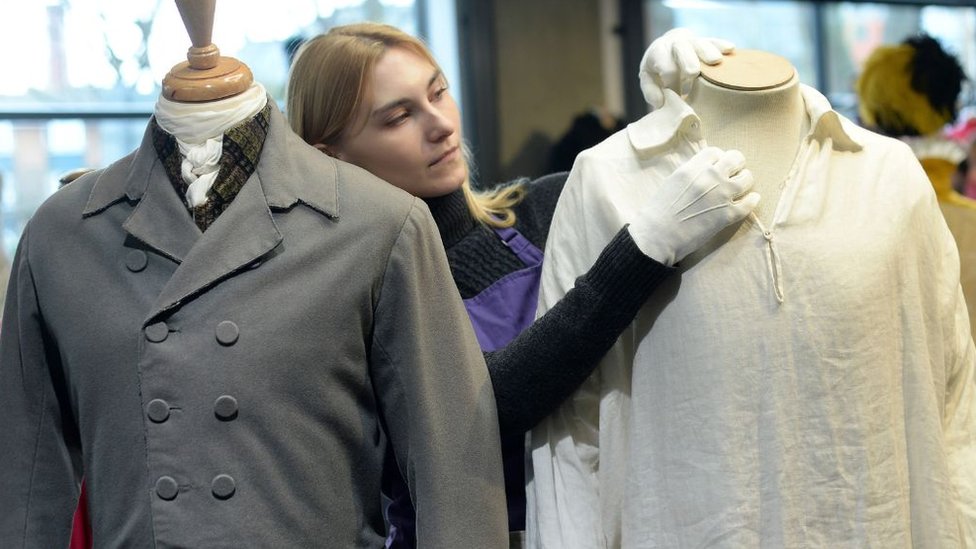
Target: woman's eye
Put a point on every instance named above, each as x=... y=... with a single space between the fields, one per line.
x=397 y=119
x=440 y=92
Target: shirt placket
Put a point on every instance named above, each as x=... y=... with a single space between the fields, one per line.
x=774 y=265
x=774 y=262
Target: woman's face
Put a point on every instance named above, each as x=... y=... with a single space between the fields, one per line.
x=412 y=131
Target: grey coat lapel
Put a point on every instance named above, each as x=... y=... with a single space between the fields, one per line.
x=289 y=172
x=160 y=220
x=241 y=234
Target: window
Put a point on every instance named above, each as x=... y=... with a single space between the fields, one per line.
x=827 y=42
x=88 y=72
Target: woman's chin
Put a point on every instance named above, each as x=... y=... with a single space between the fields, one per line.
x=448 y=186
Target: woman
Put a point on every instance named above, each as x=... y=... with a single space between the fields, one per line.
x=374 y=96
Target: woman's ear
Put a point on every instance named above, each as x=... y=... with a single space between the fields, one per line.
x=327 y=150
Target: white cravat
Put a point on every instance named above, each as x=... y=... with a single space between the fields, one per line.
x=199 y=131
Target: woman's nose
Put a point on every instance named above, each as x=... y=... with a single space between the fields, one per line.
x=441 y=126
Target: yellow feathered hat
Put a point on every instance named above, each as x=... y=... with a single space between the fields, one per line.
x=909 y=89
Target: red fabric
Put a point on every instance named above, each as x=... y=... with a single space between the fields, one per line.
x=81 y=533
x=963 y=132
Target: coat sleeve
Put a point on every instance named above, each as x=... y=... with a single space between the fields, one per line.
x=39 y=456
x=435 y=395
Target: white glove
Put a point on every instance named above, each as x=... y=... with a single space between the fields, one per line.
x=671 y=62
x=703 y=196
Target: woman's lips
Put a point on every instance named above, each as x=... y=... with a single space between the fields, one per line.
x=448 y=155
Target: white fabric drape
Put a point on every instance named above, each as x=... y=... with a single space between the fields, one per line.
x=828 y=401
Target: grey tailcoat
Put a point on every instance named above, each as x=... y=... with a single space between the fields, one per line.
x=238 y=387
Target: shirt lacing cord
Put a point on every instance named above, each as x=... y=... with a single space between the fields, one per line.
x=773 y=265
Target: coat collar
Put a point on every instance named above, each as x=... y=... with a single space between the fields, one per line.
x=289 y=172
x=238 y=239
x=294 y=172
x=284 y=168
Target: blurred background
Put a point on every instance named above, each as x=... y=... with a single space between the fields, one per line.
x=80 y=77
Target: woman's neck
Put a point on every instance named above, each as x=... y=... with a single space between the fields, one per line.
x=766 y=125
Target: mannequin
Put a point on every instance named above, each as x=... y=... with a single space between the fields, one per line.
x=751 y=102
x=809 y=380
x=205 y=75
x=202 y=98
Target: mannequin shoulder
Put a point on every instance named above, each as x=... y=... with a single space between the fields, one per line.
x=357 y=184
x=355 y=189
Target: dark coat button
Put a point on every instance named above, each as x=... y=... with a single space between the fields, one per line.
x=227 y=333
x=167 y=488
x=223 y=486
x=226 y=407
x=136 y=260
x=157 y=332
x=158 y=410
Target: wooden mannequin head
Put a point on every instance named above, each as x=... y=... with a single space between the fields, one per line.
x=749 y=70
x=205 y=75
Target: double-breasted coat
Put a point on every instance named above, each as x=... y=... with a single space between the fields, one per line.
x=238 y=387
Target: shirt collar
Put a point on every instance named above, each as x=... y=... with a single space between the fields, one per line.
x=658 y=128
x=675 y=117
x=825 y=122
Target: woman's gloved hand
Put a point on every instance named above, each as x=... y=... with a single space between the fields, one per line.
x=703 y=196
x=672 y=62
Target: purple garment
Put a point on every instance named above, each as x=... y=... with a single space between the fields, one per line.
x=498 y=314
x=506 y=308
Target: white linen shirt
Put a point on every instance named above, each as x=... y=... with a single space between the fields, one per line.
x=806 y=384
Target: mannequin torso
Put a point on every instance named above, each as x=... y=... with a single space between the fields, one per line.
x=780 y=387
x=757 y=109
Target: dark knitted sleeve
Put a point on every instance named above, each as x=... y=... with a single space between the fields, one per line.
x=542 y=367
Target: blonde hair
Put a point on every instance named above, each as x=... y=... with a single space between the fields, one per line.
x=329 y=79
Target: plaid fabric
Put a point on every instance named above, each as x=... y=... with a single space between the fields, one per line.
x=242 y=146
